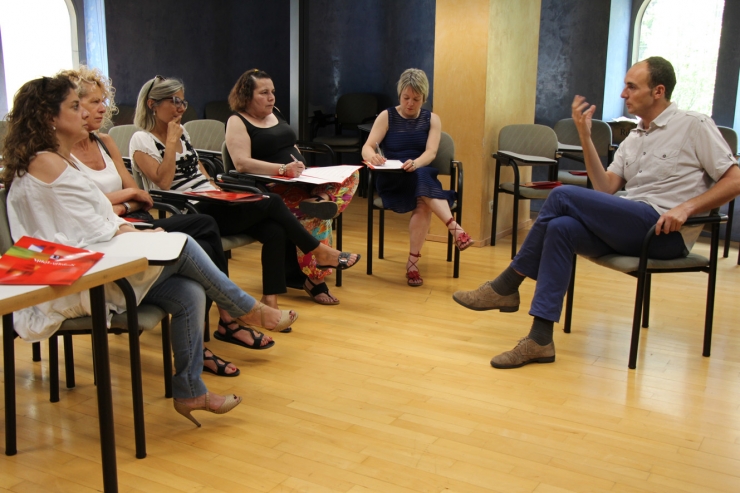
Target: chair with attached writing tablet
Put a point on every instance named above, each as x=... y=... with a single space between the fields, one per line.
x=352 y=110
x=121 y=135
x=218 y=110
x=144 y=317
x=228 y=243
x=522 y=145
x=643 y=268
x=207 y=137
x=567 y=133
x=255 y=180
x=447 y=165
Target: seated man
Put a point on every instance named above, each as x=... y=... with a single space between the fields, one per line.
x=667 y=166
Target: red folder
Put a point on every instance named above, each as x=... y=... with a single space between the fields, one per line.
x=541 y=185
x=34 y=261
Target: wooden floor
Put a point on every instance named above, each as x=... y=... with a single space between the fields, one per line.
x=392 y=391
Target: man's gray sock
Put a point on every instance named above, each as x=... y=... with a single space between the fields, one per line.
x=507 y=282
x=541 y=331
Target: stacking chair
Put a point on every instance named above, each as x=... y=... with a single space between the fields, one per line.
x=121 y=135
x=730 y=137
x=134 y=321
x=522 y=145
x=207 y=137
x=305 y=147
x=447 y=165
x=352 y=110
x=567 y=133
x=643 y=268
x=189 y=115
x=218 y=110
x=124 y=116
x=228 y=242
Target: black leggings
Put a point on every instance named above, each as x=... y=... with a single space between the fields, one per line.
x=203 y=229
x=271 y=223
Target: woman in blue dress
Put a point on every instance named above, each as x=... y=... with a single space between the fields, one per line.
x=411 y=134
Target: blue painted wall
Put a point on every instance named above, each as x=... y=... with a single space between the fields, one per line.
x=728 y=67
x=206 y=44
x=571 y=60
x=364 y=46
x=572 y=56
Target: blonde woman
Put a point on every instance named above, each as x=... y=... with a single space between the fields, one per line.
x=411 y=134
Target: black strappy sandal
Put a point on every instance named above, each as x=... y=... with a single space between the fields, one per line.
x=229 y=336
x=220 y=363
x=317 y=289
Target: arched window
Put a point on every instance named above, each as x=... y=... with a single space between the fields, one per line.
x=686 y=33
x=39 y=37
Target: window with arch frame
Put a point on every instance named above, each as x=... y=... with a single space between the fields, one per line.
x=686 y=33
x=35 y=45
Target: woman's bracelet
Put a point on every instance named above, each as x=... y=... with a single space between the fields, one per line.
x=127 y=207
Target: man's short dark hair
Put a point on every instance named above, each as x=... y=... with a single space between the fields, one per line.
x=661 y=73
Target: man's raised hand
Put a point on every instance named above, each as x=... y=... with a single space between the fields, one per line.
x=582 y=113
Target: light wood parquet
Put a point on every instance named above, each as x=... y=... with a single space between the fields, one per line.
x=392 y=391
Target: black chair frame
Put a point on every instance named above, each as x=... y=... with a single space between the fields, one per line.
x=456 y=184
x=642 y=295
x=504 y=159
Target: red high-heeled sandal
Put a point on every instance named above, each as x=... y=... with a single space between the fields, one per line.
x=462 y=240
x=413 y=276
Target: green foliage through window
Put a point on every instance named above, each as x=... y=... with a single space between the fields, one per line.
x=686 y=33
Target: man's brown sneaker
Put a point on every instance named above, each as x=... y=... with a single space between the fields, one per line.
x=526 y=351
x=485 y=298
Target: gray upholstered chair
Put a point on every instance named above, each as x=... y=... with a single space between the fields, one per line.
x=207 y=137
x=189 y=115
x=643 y=268
x=121 y=135
x=522 y=145
x=352 y=110
x=447 y=165
x=228 y=242
x=311 y=147
x=601 y=135
x=218 y=110
x=144 y=317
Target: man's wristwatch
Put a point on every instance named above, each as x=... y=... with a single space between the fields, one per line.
x=127 y=207
x=281 y=170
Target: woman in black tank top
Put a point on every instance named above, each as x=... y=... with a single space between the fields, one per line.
x=260 y=141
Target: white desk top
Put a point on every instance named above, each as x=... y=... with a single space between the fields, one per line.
x=157 y=247
x=107 y=269
x=569 y=147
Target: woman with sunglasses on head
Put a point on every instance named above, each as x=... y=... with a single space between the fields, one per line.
x=261 y=142
x=99 y=158
x=50 y=198
x=163 y=153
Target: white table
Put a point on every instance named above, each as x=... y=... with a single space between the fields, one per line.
x=14 y=298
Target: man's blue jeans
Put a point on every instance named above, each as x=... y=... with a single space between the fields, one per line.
x=181 y=291
x=590 y=223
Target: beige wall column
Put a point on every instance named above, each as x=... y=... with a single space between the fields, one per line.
x=485 y=77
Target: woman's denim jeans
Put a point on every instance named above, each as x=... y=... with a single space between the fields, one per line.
x=181 y=291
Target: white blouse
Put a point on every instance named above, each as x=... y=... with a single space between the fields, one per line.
x=73 y=211
x=107 y=179
x=188 y=176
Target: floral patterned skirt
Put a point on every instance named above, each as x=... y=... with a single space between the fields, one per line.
x=294 y=194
